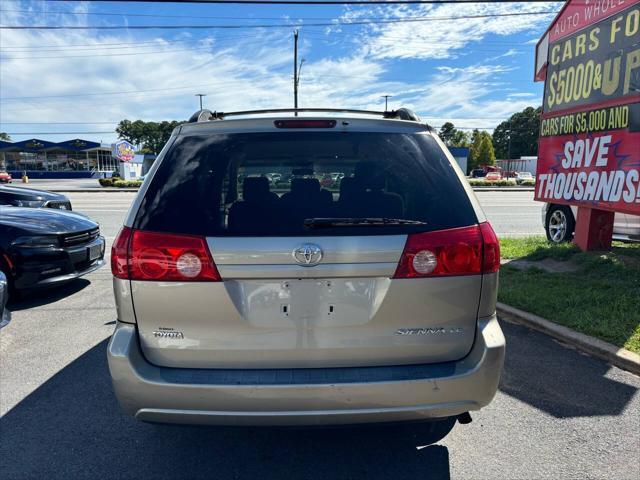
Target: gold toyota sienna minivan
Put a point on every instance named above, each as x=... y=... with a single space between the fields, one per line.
x=254 y=286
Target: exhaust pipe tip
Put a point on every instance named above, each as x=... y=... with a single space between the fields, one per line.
x=464 y=418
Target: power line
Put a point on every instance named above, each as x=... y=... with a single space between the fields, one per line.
x=153 y=15
x=323 y=2
x=125 y=92
x=211 y=17
x=127 y=45
x=133 y=44
x=160 y=43
x=208 y=47
x=61 y=133
x=59 y=123
x=113 y=131
x=271 y=25
x=217 y=45
x=213 y=84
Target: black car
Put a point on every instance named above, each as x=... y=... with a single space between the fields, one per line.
x=29 y=197
x=42 y=247
x=478 y=173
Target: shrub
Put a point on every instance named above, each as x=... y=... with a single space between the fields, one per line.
x=475 y=182
x=528 y=183
x=127 y=183
x=106 y=182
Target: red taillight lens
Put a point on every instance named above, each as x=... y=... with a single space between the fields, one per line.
x=458 y=251
x=491 y=252
x=120 y=252
x=140 y=255
x=168 y=257
x=305 y=123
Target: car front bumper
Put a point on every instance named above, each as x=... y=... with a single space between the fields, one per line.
x=313 y=396
x=43 y=267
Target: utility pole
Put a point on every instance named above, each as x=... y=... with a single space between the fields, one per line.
x=295 y=71
x=386 y=99
x=509 y=147
x=200 y=95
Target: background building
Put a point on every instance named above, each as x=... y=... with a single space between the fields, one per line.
x=461 y=154
x=69 y=159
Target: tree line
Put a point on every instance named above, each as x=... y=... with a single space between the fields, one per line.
x=511 y=139
x=148 y=137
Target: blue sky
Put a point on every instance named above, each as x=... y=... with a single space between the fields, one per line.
x=474 y=72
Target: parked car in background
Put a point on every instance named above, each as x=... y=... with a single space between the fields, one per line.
x=302 y=307
x=559 y=223
x=493 y=176
x=523 y=176
x=42 y=247
x=478 y=173
x=4 y=297
x=30 y=197
x=5 y=177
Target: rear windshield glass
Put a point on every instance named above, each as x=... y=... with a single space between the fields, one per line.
x=304 y=183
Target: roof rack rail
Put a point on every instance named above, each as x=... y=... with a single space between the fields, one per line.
x=207 y=115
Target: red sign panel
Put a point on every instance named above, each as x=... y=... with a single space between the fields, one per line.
x=579 y=14
x=596 y=170
x=589 y=148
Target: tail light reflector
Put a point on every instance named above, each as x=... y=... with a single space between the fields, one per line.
x=458 y=251
x=491 y=251
x=120 y=254
x=162 y=257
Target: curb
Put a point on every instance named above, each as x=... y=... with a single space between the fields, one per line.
x=619 y=357
x=108 y=189
x=89 y=190
x=503 y=189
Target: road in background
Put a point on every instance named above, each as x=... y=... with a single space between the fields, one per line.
x=512 y=213
x=557 y=414
x=58 y=183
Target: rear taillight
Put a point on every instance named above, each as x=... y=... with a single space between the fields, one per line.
x=491 y=251
x=458 y=251
x=162 y=257
x=120 y=253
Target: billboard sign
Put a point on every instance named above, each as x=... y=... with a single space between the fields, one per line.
x=589 y=147
x=122 y=150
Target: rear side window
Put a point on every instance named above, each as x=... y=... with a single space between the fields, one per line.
x=289 y=183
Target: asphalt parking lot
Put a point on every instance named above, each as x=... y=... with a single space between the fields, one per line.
x=558 y=413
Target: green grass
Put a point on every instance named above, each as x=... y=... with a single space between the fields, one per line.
x=602 y=298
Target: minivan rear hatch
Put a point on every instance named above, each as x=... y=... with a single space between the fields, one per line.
x=323 y=249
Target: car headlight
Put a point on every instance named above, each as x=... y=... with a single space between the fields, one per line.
x=36 y=241
x=28 y=203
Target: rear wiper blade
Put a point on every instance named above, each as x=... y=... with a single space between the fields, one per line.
x=358 y=222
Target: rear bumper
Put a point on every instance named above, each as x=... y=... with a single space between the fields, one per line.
x=305 y=396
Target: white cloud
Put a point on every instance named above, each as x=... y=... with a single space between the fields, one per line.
x=522 y=95
x=237 y=71
x=444 y=38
